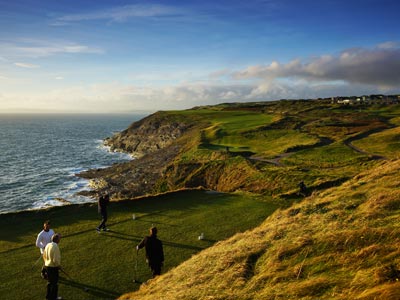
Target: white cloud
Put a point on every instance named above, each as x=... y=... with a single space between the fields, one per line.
x=38 y=48
x=388 y=45
x=122 y=13
x=26 y=65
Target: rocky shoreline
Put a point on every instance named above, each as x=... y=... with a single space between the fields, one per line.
x=150 y=142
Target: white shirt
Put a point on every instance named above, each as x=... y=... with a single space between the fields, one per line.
x=43 y=238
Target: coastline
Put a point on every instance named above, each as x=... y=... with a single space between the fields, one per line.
x=42 y=174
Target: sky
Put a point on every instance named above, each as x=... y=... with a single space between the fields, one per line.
x=59 y=56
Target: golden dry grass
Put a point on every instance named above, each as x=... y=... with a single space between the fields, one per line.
x=339 y=244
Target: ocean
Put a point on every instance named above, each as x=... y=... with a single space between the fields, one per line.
x=40 y=155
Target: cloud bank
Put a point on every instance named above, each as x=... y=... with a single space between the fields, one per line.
x=354 y=71
x=379 y=66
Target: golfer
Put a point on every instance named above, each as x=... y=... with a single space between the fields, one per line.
x=103 y=202
x=44 y=237
x=52 y=262
x=303 y=189
x=154 y=251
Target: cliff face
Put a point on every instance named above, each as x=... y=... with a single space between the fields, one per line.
x=148 y=135
x=152 y=141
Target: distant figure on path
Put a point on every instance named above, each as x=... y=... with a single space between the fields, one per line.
x=303 y=189
x=52 y=262
x=44 y=237
x=154 y=251
x=103 y=202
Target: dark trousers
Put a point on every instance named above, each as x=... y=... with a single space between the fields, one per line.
x=103 y=214
x=52 y=285
x=155 y=268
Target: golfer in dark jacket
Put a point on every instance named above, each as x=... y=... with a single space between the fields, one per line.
x=102 y=206
x=154 y=251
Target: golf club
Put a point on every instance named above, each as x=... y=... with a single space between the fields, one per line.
x=62 y=270
x=136 y=265
x=37 y=261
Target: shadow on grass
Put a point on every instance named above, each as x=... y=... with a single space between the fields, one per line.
x=138 y=219
x=122 y=236
x=135 y=238
x=91 y=290
x=210 y=241
x=177 y=245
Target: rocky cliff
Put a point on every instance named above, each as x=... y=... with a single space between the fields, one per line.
x=148 y=135
x=154 y=142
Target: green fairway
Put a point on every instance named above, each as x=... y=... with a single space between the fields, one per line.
x=102 y=266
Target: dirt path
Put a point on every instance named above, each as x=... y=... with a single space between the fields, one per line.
x=324 y=141
x=348 y=142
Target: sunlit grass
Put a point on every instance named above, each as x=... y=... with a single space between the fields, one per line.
x=386 y=143
x=330 y=156
x=104 y=263
x=341 y=243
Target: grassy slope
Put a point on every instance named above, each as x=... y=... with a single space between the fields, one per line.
x=105 y=263
x=341 y=243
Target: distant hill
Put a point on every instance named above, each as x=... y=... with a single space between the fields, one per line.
x=263 y=147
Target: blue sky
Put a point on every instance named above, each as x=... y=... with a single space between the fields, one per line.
x=126 y=56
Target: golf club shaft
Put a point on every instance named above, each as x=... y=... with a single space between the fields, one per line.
x=136 y=264
x=62 y=270
x=41 y=257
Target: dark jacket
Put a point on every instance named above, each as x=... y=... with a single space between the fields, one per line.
x=154 y=249
x=103 y=202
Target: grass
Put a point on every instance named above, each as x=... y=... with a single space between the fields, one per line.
x=227 y=128
x=104 y=263
x=265 y=143
x=330 y=156
x=385 y=143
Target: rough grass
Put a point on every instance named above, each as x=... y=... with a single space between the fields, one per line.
x=104 y=263
x=341 y=243
x=330 y=156
x=385 y=143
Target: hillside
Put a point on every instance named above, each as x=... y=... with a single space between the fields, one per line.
x=338 y=241
x=265 y=240
x=341 y=243
x=247 y=147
